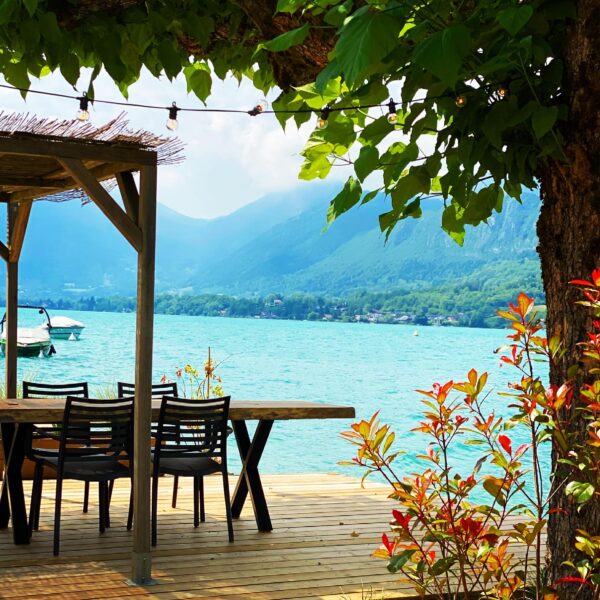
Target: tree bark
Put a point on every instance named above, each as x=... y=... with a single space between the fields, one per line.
x=569 y=248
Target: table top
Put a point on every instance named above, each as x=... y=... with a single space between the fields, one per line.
x=50 y=410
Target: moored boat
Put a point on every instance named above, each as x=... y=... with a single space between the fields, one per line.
x=31 y=342
x=64 y=328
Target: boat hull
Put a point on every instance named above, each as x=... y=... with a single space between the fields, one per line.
x=64 y=333
x=32 y=350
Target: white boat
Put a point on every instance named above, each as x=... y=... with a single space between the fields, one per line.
x=31 y=341
x=64 y=328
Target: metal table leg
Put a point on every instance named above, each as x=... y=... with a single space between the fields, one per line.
x=249 y=480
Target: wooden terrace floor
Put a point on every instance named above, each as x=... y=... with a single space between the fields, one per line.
x=325 y=527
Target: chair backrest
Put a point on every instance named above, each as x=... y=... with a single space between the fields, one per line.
x=189 y=427
x=97 y=429
x=158 y=389
x=33 y=389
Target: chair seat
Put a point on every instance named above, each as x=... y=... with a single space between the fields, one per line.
x=89 y=470
x=191 y=466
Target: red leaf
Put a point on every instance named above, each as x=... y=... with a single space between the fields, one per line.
x=573 y=579
x=581 y=282
x=506 y=443
x=596 y=277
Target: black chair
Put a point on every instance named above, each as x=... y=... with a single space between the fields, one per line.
x=191 y=441
x=158 y=391
x=95 y=445
x=35 y=390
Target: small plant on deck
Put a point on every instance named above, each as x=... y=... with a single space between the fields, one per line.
x=199 y=384
x=445 y=542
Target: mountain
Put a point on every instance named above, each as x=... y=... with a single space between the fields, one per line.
x=276 y=244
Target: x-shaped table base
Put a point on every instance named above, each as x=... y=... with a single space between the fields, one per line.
x=249 y=480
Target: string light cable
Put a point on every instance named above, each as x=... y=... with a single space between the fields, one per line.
x=262 y=107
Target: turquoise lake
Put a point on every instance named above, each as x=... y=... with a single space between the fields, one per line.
x=370 y=367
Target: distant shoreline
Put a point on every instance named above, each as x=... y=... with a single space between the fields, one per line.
x=449 y=306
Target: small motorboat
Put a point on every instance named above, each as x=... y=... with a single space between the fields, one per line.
x=31 y=341
x=64 y=328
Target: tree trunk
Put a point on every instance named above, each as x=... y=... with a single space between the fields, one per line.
x=569 y=236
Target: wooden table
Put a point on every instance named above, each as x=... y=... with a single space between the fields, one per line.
x=18 y=416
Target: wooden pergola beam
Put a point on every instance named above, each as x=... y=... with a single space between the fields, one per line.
x=17 y=234
x=129 y=194
x=4 y=253
x=86 y=180
x=31 y=182
x=75 y=149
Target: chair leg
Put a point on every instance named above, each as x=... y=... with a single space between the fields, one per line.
x=57 y=507
x=175 y=486
x=101 y=512
x=201 y=493
x=227 y=505
x=196 y=501
x=86 y=496
x=111 y=485
x=107 y=503
x=36 y=497
x=130 y=511
x=154 y=506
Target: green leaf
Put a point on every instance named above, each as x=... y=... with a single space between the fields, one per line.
x=316 y=167
x=408 y=187
x=513 y=19
x=365 y=42
x=69 y=67
x=288 y=39
x=31 y=6
x=199 y=80
x=337 y=15
x=452 y=223
x=581 y=491
x=367 y=162
x=7 y=8
x=442 y=565
x=16 y=74
x=399 y=560
x=345 y=200
x=442 y=52
x=289 y=6
x=543 y=120
x=375 y=132
x=170 y=58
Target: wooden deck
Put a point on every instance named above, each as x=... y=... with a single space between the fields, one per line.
x=325 y=527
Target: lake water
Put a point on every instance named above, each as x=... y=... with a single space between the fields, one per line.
x=371 y=367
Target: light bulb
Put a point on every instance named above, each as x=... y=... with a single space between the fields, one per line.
x=83 y=113
x=262 y=105
x=392 y=114
x=322 y=121
x=502 y=91
x=461 y=100
x=172 y=123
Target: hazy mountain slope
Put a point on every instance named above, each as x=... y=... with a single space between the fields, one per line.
x=276 y=244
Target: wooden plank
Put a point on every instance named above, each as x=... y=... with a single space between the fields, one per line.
x=83 y=150
x=19 y=227
x=105 y=202
x=308 y=555
x=50 y=410
x=141 y=567
x=30 y=182
x=129 y=194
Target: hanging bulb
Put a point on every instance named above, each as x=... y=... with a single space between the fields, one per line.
x=322 y=122
x=392 y=115
x=83 y=113
x=461 y=100
x=503 y=92
x=259 y=108
x=172 y=123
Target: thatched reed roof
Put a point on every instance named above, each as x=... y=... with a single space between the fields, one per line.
x=32 y=148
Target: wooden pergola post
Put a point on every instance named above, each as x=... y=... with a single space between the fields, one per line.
x=141 y=559
x=36 y=166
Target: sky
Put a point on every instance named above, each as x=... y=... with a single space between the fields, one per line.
x=230 y=160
